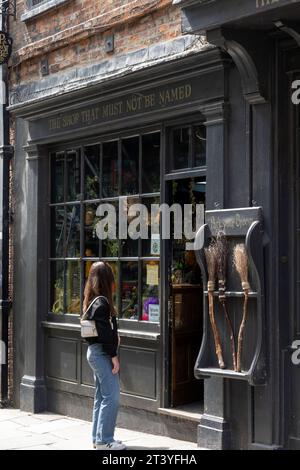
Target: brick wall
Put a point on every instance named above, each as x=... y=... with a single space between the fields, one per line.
x=74 y=33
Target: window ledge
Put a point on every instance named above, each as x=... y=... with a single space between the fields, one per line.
x=41 y=9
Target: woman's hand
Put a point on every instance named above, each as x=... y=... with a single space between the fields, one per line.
x=116 y=365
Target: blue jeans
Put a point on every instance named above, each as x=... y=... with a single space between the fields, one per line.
x=107 y=395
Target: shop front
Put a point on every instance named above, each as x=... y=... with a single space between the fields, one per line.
x=215 y=128
x=144 y=139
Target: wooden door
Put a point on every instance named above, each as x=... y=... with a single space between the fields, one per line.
x=186 y=340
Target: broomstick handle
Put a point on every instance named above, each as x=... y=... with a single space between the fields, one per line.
x=215 y=330
x=241 y=332
x=232 y=339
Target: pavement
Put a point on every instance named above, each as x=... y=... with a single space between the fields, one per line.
x=46 y=431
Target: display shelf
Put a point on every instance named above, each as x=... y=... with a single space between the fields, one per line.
x=240 y=226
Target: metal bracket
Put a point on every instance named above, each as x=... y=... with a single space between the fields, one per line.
x=8 y=8
x=290 y=29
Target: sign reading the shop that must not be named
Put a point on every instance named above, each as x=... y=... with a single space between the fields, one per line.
x=5 y=47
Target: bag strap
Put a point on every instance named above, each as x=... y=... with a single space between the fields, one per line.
x=92 y=303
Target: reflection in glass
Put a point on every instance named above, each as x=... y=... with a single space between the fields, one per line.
x=150 y=292
x=91 y=241
x=151 y=163
x=130 y=165
x=73 y=231
x=110 y=169
x=129 y=290
x=57 y=225
x=151 y=245
x=57 y=177
x=130 y=247
x=72 y=287
x=110 y=246
x=92 y=171
x=57 y=286
x=200 y=145
x=181 y=147
x=73 y=175
x=115 y=269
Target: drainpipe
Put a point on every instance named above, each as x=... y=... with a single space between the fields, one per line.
x=6 y=152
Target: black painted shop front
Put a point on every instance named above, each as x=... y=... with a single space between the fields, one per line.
x=218 y=127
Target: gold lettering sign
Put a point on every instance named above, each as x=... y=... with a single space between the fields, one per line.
x=5 y=47
x=266 y=3
x=129 y=105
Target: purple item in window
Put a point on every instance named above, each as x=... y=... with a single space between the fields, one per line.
x=149 y=301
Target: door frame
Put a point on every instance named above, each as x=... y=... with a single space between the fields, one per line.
x=166 y=180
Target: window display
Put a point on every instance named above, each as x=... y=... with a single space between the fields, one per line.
x=75 y=245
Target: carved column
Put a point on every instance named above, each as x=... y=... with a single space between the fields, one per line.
x=32 y=388
x=214 y=430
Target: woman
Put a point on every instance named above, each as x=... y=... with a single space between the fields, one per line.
x=102 y=355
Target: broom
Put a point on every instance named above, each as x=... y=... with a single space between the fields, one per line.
x=211 y=268
x=240 y=260
x=221 y=249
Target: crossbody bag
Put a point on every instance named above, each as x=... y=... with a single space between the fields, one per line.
x=88 y=327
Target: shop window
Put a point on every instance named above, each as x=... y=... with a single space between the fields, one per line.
x=130 y=166
x=150 y=291
x=187 y=148
x=73 y=169
x=92 y=171
x=129 y=290
x=110 y=173
x=81 y=180
x=151 y=163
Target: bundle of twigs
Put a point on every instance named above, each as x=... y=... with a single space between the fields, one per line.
x=211 y=261
x=240 y=260
x=221 y=249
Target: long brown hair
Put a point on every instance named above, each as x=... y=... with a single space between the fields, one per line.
x=99 y=282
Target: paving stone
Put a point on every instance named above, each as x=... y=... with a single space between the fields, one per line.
x=74 y=432
x=20 y=442
x=10 y=413
x=51 y=426
x=46 y=431
x=26 y=420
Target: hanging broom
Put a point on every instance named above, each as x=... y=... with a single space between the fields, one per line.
x=240 y=260
x=211 y=268
x=221 y=249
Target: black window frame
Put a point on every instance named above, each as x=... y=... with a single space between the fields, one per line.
x=66 y=317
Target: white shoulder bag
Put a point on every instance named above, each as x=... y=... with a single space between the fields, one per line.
x=88 y=327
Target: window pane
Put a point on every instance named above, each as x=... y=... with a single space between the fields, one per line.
x=110 y=246
x=57 y=286
x=151 y=246
x=116 y=296
x=92 y=172
x=73 y=175
x=73 y=287
x=181 y=147
x=73 y=231
x=129 y=290
x=110 y=187
x=57 y=174
x=151 y=163
x=130 y=165
x=57 y=236
x=150 y=292
x=91 y=240
x=130 y=247
x=200 y=145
